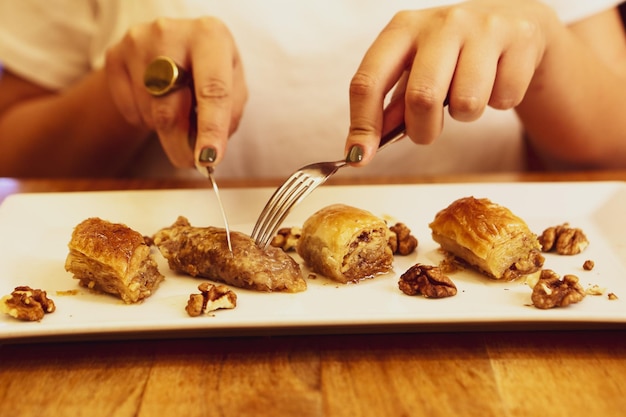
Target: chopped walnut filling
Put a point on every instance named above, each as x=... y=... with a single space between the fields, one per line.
x=211 y=298
x=563 y=239
x=287 y=238
x=27 y=304
x=588 y=265
x=552 y=291
x=426 y=280
x=402 y=242
x=532 y=264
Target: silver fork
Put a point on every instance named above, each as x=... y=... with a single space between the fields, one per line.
x=298 y=186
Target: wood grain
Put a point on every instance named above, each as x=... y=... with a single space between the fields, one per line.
x=431 y=374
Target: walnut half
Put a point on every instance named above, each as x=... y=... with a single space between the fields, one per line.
x=402 y=242
x=211 y=298
x=563 y=239
x=27 y=304
x=426 y=280
x=552 y=291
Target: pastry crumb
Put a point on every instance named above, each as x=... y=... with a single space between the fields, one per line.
x=595 y=290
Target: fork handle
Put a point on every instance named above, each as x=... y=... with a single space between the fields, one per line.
x=392 y=136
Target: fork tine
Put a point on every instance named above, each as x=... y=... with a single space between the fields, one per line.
x=280 y=211
x=270 y=207
x=299 y=185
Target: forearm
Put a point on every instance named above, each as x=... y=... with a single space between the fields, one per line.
x=573 y=109
x=78 y=132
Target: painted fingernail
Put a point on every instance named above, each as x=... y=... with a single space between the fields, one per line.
x=355 y=154
x=208 y=155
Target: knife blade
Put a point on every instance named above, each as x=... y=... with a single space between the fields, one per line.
x=209 y=174
x=206 y=171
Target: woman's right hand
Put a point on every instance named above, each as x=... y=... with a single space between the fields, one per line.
x=204 y=47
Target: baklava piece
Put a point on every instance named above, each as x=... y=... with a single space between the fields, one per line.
x=488 y=237
x=203 y=252
x=345 y=243
x=112 y=258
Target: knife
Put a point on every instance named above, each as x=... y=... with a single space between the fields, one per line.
x=209 y=175
x=164 y=76
x=206 y=171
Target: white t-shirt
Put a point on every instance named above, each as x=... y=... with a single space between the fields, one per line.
x=298 y=58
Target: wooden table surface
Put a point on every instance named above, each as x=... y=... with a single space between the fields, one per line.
x=471 y=373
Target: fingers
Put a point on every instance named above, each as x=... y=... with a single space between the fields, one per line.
x=512 y=79
x=120 y=84
x=205 y=48
x=429 y=81
x=216 y=70
x=381 y=67
x=125 y=64
x=170 y=117
x=473 y=80
x=473 y=54
x=398 y=49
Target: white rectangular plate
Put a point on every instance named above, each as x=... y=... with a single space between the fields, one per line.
x=36 y=228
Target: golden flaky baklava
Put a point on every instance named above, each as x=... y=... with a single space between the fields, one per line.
x=345 y=243
x=112 y=258
x=488 y=237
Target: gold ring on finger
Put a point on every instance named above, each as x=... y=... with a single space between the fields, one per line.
x=164 y=76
